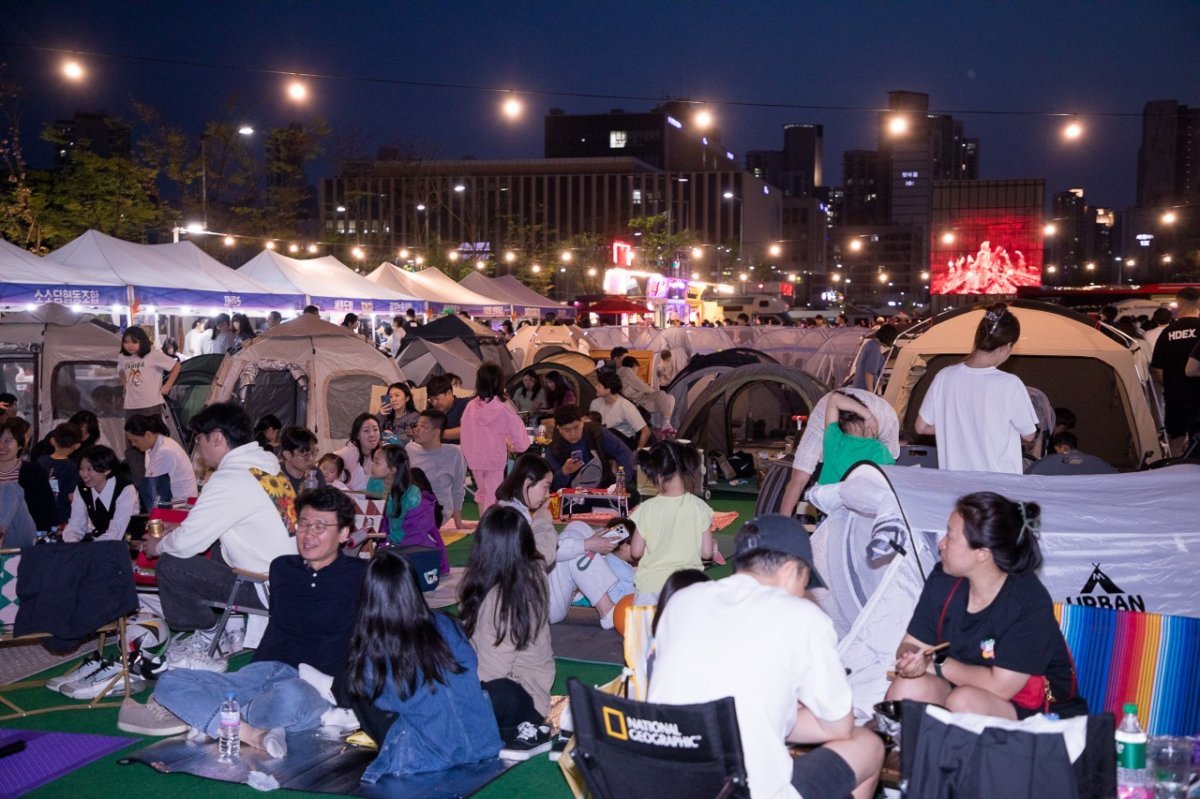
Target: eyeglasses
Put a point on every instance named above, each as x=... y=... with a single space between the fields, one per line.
x=317 y=527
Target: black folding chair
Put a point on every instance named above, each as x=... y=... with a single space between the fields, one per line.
x=627 y=749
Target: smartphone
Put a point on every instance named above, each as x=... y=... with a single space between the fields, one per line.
x=577 y=454
x=618 y=533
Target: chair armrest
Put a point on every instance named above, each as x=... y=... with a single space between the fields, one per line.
x=257 y=577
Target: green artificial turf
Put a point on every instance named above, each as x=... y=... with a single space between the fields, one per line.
x=105 y=778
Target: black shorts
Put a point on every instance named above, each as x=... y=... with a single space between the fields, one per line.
x=822 y=773
x=1181 y=417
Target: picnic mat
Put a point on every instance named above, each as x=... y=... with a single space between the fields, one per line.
x=580 y=637
x=48 y=756
x=315 y=764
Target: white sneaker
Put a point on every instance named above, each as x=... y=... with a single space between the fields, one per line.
x=198 y=661
x=93 y=662
x=338 y=721
x=94 y=684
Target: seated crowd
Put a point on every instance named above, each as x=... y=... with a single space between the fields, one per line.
x=350 y=642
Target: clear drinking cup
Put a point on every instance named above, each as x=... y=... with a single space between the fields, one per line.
x=1170 y=762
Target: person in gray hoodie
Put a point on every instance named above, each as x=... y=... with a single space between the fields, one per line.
x=443 y=464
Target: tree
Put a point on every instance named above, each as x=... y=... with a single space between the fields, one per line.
x=22 y=199
x=658 y=243
x=585 y=270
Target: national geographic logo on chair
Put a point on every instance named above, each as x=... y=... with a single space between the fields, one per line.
x=646 y=731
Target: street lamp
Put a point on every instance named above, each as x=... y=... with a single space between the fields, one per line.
x=566 y=257
x=452 y=255
x=297 y=91
x=512 y=106
x=1050 y=229
x=703 y=119
x=1169 y=218
x=775 y=250
x=72 y=70
x=1072 y=130
x=897 y=125
x=855 y=245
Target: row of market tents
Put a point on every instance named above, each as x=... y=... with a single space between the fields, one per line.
x=96 y=271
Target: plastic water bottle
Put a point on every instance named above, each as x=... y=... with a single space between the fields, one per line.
x=1133 y=780
x=620 y=481
x=310 y=481
x=229 y=736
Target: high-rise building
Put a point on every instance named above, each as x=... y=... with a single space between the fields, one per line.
x=861 y=201
x=1169 y=158
x=1076 y=235
x=797 y=168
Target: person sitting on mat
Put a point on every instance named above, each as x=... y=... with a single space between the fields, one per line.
x=1006 y=655
x=284 y=687
x=431 y=713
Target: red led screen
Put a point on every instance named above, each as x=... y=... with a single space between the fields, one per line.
x=986 y=254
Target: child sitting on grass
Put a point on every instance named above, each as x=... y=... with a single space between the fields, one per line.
x=674 y=529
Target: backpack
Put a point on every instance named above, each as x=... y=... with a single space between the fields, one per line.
x=279 y=490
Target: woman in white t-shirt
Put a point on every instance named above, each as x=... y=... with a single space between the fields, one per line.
x=979 y=414
x=147 y=375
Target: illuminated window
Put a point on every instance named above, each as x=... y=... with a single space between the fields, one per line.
x=617 y=139
x=637 y=196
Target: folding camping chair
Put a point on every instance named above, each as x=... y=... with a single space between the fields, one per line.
x=619 y=760
x=231 y=606
x=9 y=560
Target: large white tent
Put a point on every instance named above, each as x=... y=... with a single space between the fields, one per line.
x=328 y=284
x=442 y=293
x=27 y=280
x=165 y=276
x=524 y=300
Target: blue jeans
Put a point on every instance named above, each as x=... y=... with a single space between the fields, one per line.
x=271 y=694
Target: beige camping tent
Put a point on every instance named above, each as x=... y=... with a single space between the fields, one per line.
x=306 y=371
x=1101 y=375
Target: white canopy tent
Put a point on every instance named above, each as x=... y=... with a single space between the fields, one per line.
x=507 y=289
x=167 y=277
x=27 y=281
x=442 y=293
x=328 y=284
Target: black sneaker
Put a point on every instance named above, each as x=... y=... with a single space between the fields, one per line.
x=532 y=739
x=558 y=745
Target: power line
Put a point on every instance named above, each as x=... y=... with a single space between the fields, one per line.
x=377 y=80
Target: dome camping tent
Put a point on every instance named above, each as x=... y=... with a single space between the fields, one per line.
x=1100 y=374
x=576 y=368
x=1123 y=541
x=307 y=372
x=530 y=340
x=702 y=370
x=480 y=339
x=751 y=407
x=423 y=359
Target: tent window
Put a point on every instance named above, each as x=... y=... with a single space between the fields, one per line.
x=86 y=386
x=274 y=392
x=347 y=397
x=17 y=377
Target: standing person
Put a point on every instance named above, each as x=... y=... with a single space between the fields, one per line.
x=193 y=342
x=170 y=348
x=1007 y=656
x=492 y=432
x=221 y=339
x=274 y=319
x=397 y=337
x=873 y=355
x=777 y=657
x=430 y=713
x=365 y=435
x=979 y=414
x=443 y=464
x=1168 y=366
x=105 y=501
x=398 y=414
x=241 y=329
x=674 y=529
x=142 y=369
x=169 y=472
x=504 y=608
x=61 y=470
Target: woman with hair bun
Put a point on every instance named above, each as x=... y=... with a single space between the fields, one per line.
x=979 y=414
x=1002 y=652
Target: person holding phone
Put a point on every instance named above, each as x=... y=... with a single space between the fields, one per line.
x=398 y=414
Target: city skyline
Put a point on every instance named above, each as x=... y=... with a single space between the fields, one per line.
x=1065 y=58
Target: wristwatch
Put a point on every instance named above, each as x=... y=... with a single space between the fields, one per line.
x=939 y=660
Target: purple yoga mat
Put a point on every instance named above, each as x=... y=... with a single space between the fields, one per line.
x=48 y=756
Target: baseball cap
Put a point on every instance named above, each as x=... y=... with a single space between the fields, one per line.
x=778 y=533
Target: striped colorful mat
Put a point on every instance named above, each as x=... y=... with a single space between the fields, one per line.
x=1147 y=658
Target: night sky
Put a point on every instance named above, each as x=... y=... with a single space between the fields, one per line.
x=1079 y=57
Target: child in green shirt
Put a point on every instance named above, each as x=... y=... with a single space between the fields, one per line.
x=851 y=439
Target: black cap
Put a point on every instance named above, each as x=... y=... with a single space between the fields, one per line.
x=783 y=534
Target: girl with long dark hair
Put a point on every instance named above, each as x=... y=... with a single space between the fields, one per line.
x=410 y=511
x=504 y=607
x=1006 y=655
x=413 y=678
x=980 y=414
